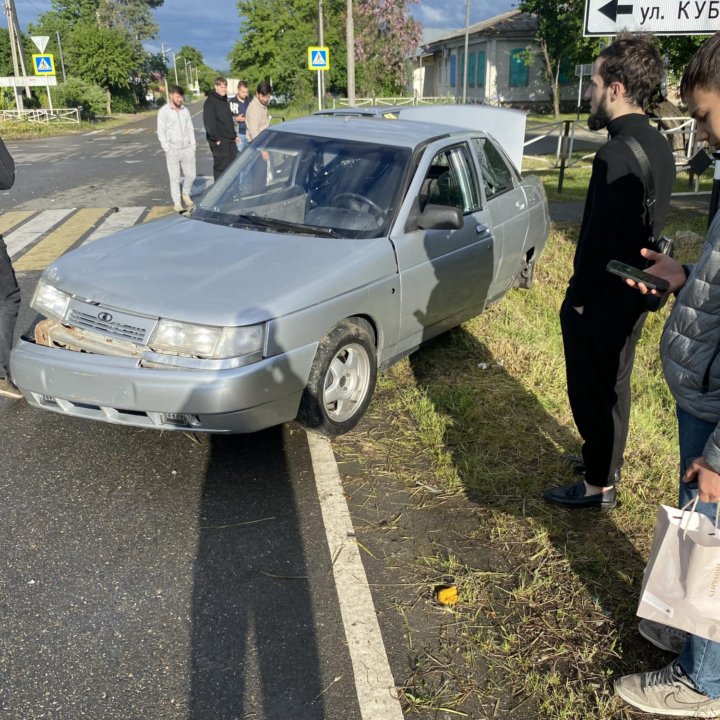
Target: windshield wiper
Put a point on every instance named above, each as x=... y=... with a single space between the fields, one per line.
x=275 y=224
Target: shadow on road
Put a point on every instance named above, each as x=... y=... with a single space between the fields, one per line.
x=254 y=650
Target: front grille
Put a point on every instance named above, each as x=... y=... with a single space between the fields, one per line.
x=118 y=330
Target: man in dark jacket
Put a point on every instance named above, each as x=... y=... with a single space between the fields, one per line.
x=9 y=290
x=690 y=685
x=601 y=318
x=219 y=127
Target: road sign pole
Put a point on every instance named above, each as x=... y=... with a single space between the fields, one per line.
x=47 y=87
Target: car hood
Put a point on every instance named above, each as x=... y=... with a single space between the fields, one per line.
x=194 y=271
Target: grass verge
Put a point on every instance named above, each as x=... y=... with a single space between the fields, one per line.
x=472 y=428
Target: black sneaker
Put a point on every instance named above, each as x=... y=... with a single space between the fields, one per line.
x=574 y=496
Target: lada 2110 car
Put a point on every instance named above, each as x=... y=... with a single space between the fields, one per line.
x=331 y=248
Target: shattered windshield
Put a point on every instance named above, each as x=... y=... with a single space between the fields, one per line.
x=308 y=185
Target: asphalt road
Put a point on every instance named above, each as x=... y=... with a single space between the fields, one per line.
x=156 y=576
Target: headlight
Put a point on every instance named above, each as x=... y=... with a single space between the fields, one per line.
x=207 y=341
x=50 y=301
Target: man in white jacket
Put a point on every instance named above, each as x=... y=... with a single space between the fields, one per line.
x=177 y=137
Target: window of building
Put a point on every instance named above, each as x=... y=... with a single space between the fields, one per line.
x=471 y=70
x=453 y=70
x=519 y=71
x=481 y=68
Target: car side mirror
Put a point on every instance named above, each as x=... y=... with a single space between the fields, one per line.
x=440 y=217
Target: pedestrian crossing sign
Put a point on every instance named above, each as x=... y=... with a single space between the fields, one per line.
x=318 y=58
x=44 y=64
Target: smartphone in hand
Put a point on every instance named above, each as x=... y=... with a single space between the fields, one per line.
x=651 y=282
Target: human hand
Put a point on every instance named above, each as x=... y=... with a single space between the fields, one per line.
x=663 y=267
x=707 y=479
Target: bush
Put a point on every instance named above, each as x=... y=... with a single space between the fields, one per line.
x=78 y=93
x=123 y=101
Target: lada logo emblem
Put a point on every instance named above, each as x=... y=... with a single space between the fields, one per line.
x=105 y=317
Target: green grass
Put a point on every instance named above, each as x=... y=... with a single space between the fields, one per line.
x=546 y=611
x=577 y=177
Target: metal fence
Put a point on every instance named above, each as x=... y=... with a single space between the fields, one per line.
x=43 y=115
x=392 y=101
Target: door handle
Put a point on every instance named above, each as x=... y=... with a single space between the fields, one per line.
x=480 y=229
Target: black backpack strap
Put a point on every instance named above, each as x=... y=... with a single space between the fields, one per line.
x=649 y=200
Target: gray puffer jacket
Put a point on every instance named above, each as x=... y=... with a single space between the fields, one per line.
x=690 y=345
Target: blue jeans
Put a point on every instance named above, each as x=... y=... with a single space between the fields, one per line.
x=9 y=307
x=700 y=658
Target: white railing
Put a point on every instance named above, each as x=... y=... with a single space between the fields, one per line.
x=392 y=101
x=43 y=115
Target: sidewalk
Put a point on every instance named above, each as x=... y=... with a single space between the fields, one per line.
x=572 y=210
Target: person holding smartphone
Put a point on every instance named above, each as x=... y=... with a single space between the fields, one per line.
x=602 y=318
x=690 y=352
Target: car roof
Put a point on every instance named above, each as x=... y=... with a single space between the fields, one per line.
x=378 y=130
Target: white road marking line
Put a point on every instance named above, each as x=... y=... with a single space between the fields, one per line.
x=124 y=218
x=373 y=679
x=33 y=229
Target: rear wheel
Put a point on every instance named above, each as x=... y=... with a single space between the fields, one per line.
x=342 y=379
x=525 y=275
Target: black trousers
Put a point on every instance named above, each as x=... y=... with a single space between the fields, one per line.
x=9 y=307
x=599 y=353
x=223 y=154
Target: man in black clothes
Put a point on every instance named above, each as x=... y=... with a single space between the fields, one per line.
x=219 y=127
x=601 y=318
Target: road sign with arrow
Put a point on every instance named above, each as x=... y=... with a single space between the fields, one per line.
x=660 y=17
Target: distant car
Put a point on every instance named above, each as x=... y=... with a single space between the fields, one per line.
x=330 y=249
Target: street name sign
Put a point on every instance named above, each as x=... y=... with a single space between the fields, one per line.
x=32 y=81
x=319 y=58
x=45 y=64
x=659 y=17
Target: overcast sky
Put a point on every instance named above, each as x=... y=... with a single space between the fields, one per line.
x=215 y=28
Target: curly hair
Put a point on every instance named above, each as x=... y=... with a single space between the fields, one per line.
x=635 y=61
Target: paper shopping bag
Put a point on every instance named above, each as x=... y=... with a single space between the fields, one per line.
x=681 y=582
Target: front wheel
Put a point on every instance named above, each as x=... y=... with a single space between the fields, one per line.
x=342 y=379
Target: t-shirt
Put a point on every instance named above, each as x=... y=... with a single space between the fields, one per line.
x=239 y=107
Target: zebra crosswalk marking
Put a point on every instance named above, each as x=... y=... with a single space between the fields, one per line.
x=124 y=218
x=60 y=240
x=34 y=228
x=9 y=220
x=157 y=212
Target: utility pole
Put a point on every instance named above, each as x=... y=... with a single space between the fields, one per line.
x=62 y=62
x=163 y=51
x=17 y=51
x=175 y=68
x=465 y=59
x=350 y=42
x=321 y=73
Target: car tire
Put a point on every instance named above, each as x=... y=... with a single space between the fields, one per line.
x=342 y=379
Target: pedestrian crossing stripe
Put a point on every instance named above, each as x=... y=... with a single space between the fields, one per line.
x=318 y=58
x=36 y=238
x=44 y=64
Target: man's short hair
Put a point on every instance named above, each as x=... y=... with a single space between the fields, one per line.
x=703 y=70
x=220 y=80
x=242 y=84
x=635 y=61
x=264 y=88
x=173 y=89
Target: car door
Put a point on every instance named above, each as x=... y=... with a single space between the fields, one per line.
x=507 y=205
x=444 y=274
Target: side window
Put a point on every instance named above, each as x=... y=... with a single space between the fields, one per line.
x=519 y=70
x=496 y=175
x=450 y=181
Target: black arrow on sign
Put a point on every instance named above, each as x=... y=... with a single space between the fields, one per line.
x=612 y=10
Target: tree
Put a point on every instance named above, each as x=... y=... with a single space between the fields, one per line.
x=559 y=34
x=103 y=56
x=385 y=37
x=274 y=42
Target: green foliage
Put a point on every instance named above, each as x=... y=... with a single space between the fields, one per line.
x=274 y=38
x=205 y=74
x=78 y=93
